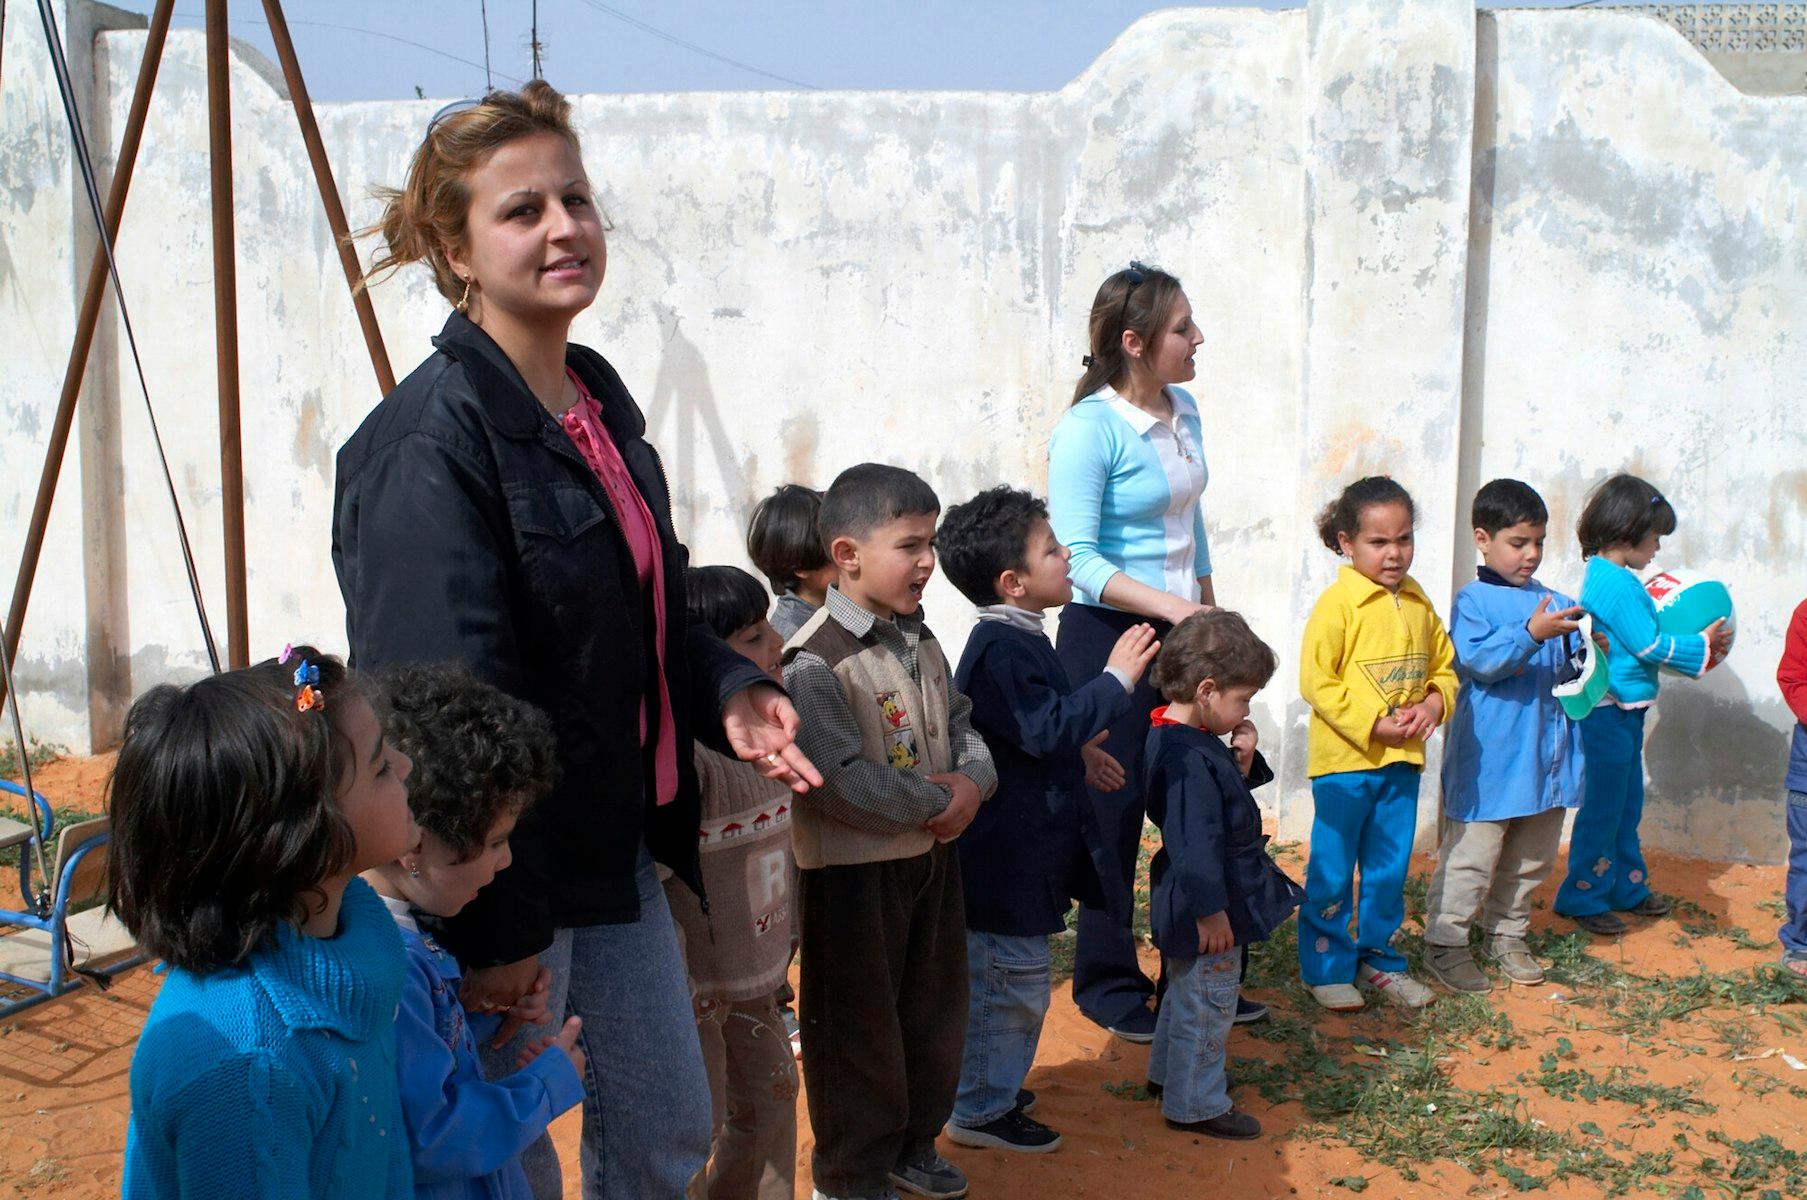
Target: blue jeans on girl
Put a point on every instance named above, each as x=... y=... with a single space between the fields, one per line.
x=1010 y=984
x=646 y=1127
x=1606 y=859
x=1190 y=1035
x=1364 y=819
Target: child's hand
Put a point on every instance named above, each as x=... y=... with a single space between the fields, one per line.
x=1134 y=651
x=1418 y=721
x=1214 y=935
x=1102 y=772
x=530 y=1009
x=1602 y=641
x=1719 y=642
x=1545 y=625
x=1242 y=745
x=566 y=1041
x=952 y=821
x=1388 y=729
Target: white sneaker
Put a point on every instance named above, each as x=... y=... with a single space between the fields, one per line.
x=1338 y=997
x=1396 y=987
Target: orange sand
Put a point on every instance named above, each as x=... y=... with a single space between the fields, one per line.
x=64 y=1066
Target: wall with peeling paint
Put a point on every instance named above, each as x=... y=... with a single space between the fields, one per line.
x=1418 y=241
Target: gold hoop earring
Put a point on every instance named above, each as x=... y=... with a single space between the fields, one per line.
x=464 y=301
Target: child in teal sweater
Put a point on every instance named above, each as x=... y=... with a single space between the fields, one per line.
x=1621 y=528
x=243 y=808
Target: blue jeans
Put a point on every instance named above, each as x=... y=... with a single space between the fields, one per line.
x=646 y=1107
x=1606 y=858
x=1187 y=1058
x=1010 y=984
x=1364 y=819
x=1794 y=933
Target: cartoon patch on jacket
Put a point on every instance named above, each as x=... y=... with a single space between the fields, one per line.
x=900 y=738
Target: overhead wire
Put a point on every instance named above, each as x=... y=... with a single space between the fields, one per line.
x=675 y=40
x=377 y=33
x=79 y=143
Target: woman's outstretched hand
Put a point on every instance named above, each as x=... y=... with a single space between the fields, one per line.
x=762 y=727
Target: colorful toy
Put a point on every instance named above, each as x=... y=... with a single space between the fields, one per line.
x=1686 y=605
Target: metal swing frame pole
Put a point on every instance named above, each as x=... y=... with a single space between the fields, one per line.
x=86 y=320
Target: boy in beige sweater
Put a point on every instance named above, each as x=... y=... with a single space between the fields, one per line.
x=883 y=971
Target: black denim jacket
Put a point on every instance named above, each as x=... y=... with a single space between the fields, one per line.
x=467 y=527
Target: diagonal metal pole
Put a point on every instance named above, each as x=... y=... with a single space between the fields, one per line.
x=85 y=323
x=225 y=332
x=329 y=194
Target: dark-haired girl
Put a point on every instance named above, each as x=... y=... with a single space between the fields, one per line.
x=1126 y=470
x=243 y=807
x=1621 y=528
x=1378 y=671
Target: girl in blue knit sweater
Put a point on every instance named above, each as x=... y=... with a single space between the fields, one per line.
x=243 y=807
x=1621 y=528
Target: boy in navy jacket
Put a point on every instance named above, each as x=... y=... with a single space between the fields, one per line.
x=1215 y=888
x=1024 y=856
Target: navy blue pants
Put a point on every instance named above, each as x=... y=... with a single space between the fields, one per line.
x=1606 y=856
x=1108 y=983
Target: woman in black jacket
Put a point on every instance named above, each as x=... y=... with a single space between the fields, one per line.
x=502 y=508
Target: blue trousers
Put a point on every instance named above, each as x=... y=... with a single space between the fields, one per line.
x=1794 y=933
x=1108 y=982
x=1010 y=984
x=1365 y=820
x=1190 y=1035
x=1606 y=860
x=646 y=1111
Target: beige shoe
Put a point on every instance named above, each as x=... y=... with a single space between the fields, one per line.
x=1454 y=967
x=1395 y=987
x=1513 y=957
x=1338 y=997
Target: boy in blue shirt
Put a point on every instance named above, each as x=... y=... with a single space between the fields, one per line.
x=1023 y=856
x=1512 y=763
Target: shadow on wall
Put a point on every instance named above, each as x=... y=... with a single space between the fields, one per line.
x=1714 y=771
x=682 y=388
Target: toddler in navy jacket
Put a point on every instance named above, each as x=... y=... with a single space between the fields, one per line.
x=1024 y=856
x=1215 y=888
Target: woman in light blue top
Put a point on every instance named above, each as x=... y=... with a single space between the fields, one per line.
x=1126 y=469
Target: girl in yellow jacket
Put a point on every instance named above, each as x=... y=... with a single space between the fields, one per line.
x=1378 y=670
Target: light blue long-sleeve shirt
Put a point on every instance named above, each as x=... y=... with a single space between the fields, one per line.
x=1123 y=494
x=1620 y=604
x=1510 y=750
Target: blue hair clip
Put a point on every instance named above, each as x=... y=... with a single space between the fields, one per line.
x=306 y=673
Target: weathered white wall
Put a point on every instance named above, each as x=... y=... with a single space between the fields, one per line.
x=1638 y=298
x=800 y=282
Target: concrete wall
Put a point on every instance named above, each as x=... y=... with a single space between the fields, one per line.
x=1418 y=241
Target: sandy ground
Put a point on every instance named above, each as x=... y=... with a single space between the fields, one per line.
x=1704 y=1100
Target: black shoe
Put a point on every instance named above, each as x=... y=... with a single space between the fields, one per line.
x=1652 y=905
x=1601 y=924
x=925 y=1173
x=1137 y=1027
x=1249 y=1011
x=1153 y=1089
x=1025 y=1101
x=1235 y=1126
x=1012 y=1131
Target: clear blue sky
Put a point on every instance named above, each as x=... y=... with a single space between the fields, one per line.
x=384 y=49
